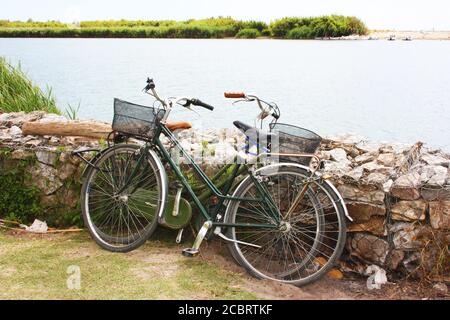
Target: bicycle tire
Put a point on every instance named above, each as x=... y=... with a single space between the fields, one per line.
x=236 y=249
x=136 y=216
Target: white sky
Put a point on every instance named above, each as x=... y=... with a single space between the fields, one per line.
x=378 y=14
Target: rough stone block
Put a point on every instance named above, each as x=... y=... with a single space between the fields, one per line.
x=406 y=187
x=45 y=178
x=409 y=210
x=395 y=258
x=440 y=214
x=435 y=160
x=363 y=211
x=411 y=235
x=386 y=159
x=370 y=248
x=377 y=178
x=365 y=157
x=46 y=157
x=433 y=193
x=375 y=225
x=362 y=194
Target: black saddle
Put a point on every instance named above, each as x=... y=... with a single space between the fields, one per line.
x=253 y=133
x=248 y=129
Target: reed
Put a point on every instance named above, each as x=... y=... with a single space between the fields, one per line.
x=221 y=27
x=18 y=93
x=317 y=27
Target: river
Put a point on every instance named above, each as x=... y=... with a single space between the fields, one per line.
x=384 y=90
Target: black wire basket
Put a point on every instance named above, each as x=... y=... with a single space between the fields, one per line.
x=136 y=120
x=294 y=140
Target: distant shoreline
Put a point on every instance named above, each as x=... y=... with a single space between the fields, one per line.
x=372 y=35
x=401 y=35
x=327 y=27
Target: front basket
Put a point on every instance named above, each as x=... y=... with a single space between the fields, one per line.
x=294 y=140
x=136 y=120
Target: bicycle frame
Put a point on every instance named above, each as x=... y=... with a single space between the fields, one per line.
x=222 y=196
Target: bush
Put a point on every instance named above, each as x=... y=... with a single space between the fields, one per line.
x=266 y=32
x=258 y=25
x=248 y=33
x=18 y=93
x=325 y=26
x=17 y=201
x=302 y=32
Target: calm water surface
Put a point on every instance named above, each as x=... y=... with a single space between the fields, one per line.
x=395 y=91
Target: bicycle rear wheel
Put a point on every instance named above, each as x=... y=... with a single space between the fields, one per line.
x=307 y=242
x=120 y=218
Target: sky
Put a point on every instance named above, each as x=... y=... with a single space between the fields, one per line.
x=379 y=14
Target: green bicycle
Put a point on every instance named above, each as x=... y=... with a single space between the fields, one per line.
x=283 y=220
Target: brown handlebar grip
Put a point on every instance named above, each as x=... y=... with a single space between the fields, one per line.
x=234 y=95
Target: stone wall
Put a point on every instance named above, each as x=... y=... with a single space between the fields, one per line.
x=399 y=198
x=398 y=195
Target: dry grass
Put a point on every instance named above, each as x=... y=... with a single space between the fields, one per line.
x=36 y=268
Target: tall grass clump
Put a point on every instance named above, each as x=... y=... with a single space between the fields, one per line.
x=18 y=93
x=317 y=27
x=247 y=33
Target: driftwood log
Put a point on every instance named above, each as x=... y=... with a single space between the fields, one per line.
x=92 y=129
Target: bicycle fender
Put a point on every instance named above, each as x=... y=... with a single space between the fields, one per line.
x=83 y=174
x=164 y=181
x=161 y=171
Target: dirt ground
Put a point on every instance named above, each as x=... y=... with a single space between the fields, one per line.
x=157 y=270
x=351 y=287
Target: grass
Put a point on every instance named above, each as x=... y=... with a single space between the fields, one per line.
x=220 y=27
x=18 y=93
x=36 y=268
x=71 y=112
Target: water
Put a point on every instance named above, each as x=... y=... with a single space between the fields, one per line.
x=393 y=91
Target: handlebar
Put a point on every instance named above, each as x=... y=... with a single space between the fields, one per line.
x=234 y=95
x=150 y=84
x=167 y=103
x=198 y=102
x=265 y=107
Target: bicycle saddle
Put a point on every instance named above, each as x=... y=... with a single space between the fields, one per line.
x=178 y=125
x=248 y=129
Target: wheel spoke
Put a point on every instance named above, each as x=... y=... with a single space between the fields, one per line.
x=289 y=252
x=121 y=220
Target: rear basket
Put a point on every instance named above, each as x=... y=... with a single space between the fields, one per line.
x=136 y=120
x=294 y=140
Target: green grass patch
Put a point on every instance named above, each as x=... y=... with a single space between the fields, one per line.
x=18 y=93
x=36 y=268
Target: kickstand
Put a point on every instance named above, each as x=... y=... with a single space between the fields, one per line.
x=179 y=235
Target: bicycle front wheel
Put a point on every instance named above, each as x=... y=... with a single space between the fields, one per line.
x=309 y=238
x=121 y=198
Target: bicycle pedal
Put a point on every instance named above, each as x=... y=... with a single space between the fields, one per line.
x=190 y=252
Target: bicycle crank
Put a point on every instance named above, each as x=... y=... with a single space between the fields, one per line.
x=191 y=252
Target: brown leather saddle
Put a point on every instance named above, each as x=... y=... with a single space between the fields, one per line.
x=178 y=125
